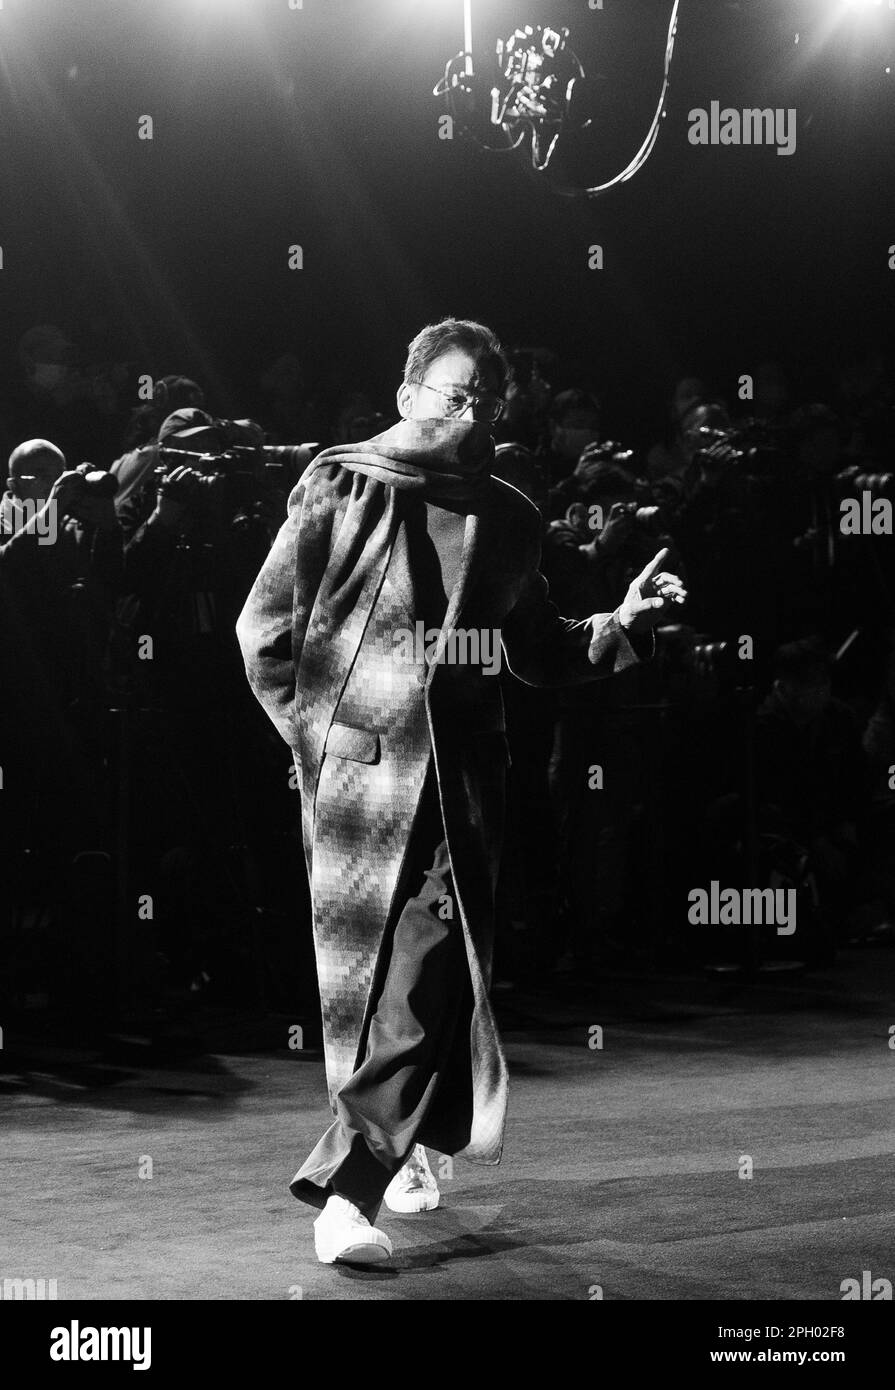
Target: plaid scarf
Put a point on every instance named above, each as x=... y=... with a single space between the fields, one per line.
x=441 y=460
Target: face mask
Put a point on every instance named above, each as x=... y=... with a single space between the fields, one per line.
x=47 y=375
x=571 y=443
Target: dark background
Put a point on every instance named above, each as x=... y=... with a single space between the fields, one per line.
x=319 y=127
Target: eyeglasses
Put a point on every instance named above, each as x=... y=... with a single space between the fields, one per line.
x=488 y=407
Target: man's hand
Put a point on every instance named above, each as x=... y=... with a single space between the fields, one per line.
x=176 y=496
x=590 y=465
x=73 y=497
x=617 y=530
x=650 y=596
x=67 y=490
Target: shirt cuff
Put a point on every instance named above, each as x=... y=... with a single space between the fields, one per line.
x=642 y=644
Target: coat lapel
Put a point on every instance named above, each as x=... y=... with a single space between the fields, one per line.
x=470 y=564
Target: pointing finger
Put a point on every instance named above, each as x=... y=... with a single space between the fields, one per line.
x=647 y=573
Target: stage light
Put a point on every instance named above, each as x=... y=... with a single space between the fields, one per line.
x=855 y=26
x=467 y=33
x=863 y=9
x=222 y=8
x=531 y=95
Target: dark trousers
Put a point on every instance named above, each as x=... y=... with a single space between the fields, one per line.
x=416 y=1033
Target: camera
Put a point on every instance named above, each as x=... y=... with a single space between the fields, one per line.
x=240 y=472
x=99 y=483
x=649 y=519
x=753 y=448
x=855 y=479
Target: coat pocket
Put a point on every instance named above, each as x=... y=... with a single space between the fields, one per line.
x=360 y=745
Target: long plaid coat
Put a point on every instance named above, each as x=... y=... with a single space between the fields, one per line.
x=318 y=638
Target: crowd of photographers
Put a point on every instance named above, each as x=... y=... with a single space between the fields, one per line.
x=149 y=814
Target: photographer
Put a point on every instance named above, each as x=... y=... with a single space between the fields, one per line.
x=209 y=509
x=736 y=520
x=605 y=534
x=60 y=566
x=526 y=416
x=33 y=469
x=574 y=427
x=133 y=470
x=191 y=561
x=61 y=551
x=670 y=457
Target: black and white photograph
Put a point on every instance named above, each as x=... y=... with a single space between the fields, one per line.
x=447 y=668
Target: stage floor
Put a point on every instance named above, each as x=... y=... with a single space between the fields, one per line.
x=620 y=1171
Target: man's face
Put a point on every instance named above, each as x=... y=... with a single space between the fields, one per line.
x=447 y=380
x=33 y=478
x=708 y=416
x=572 y=434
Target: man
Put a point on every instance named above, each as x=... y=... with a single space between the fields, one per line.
x=574 y=430
x=401 y=755
x=34 y=467
x=133 y=470
x=58 y=532
x=61 y=564
x=56 y=392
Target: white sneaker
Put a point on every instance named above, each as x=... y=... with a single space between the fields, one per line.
x=342 y=1232
x=413 y=1188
